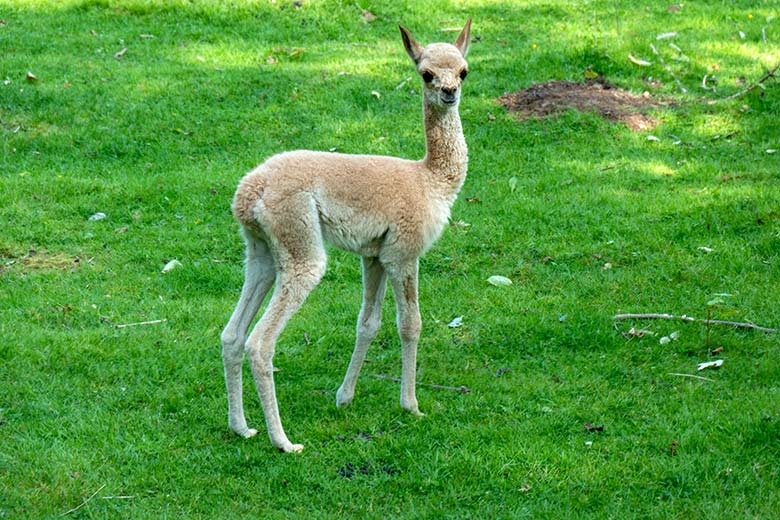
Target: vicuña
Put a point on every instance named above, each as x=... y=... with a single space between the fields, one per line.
x=387 y=210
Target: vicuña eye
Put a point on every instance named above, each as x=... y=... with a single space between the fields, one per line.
x=463 y=74
x=427 y=76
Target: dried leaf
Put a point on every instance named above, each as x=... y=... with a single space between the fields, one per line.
x=594 y=427
x=173 y=264
x=119 y=55
x=709 y=364
x=675 y=8
x=498 y=280
x=673 y=448
x=457 y=322
x=97 y=216
x=665 y=340
x=296 y=53
x=376 y=94
x=512 y=184
x=652 y=138
x=638 y=333
x=31 y=77
x=664 y=36
x=637 y=61
x=368 y=16
x=705 y=249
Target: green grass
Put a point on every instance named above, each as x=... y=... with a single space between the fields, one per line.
x=158 y=139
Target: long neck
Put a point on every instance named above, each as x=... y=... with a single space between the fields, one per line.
x=446 y=153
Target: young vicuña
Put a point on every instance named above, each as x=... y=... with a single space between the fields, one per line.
x=388 y=210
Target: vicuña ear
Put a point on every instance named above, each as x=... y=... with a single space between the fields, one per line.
x=462 y=43
x=412 y=47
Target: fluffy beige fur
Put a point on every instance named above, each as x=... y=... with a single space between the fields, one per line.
x=388 y=210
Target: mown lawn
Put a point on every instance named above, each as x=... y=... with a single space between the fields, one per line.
x=150 y=111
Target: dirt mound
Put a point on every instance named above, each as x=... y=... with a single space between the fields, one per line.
x=611 y=102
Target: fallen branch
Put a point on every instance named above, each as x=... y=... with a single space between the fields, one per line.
x=738 y=324
x=84 y=502
x=459 y=389
x=770 y=74
x=691 y=376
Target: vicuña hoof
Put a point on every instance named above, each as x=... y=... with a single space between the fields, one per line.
x=290 y=448
x=414 y=410
x=342 y=399
x=244 y=432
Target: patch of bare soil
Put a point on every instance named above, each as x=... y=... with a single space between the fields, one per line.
x=612 y=103
x=35 y=260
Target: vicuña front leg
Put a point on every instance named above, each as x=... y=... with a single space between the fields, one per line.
x=404 y=282
x=259 y=277
x=369 y=320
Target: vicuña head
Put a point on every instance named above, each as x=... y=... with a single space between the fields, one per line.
x=385 y=209
x=441 y=66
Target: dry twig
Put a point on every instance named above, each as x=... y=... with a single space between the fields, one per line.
x=691 y=376
x=459 y=389
x=770 y=74
x=136 y=324
x=668 y=69
x=84 y=502
x=652 y=316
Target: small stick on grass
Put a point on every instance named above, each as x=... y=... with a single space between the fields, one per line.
x=139 y=323
x=653 y=316
x=691 y=376
x=460 y=389
x=668 y=69
x=771 y=74
x=84 y=502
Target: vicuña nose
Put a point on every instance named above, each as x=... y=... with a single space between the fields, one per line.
x=448 y=90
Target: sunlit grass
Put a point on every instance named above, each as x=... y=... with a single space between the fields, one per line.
x=597 y=220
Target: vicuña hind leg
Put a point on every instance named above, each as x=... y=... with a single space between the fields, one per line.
x=258 y=279
x=296 y=240
x=292 y=287
x=369 y=320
